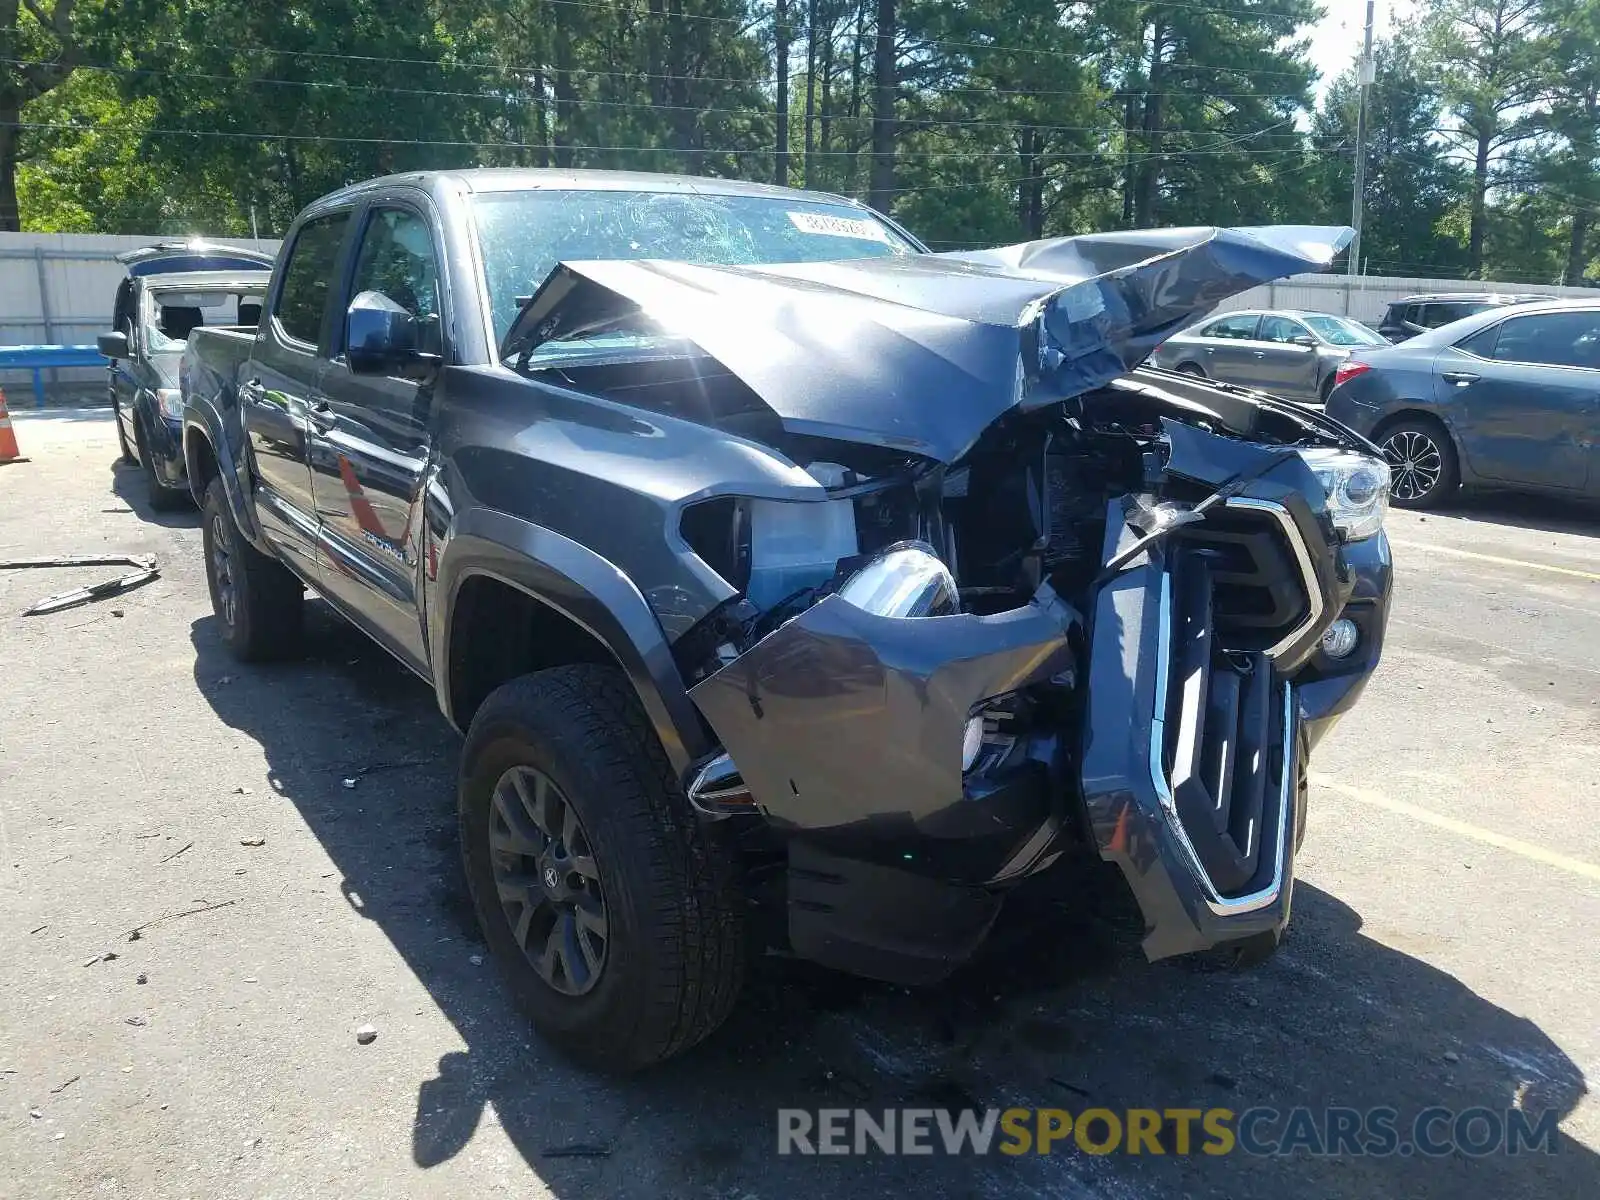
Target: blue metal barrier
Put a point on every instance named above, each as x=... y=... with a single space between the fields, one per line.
x=40 y=359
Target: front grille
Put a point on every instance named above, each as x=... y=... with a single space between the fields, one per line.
x=1223 y=750
x=1261 y=593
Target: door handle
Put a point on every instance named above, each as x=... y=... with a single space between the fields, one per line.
x=1259 y=353
x=321 y=414
x=1459 y=378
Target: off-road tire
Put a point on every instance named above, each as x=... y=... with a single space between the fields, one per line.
x=268 y=613
x=129 y=454
x=674 y=906
x=159 y=495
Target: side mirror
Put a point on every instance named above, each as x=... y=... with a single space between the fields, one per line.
x=381 y=338
x=113 y=345
x=1303 y=339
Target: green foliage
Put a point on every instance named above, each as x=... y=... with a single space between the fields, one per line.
x=1013 y=118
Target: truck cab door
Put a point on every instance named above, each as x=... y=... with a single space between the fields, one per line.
x=279 y=388
x=372 y=442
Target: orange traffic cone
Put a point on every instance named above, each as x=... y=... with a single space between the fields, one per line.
x=9 y=451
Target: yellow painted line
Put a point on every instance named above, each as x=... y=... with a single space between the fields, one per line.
x=1488 y=837
x=1592 y=576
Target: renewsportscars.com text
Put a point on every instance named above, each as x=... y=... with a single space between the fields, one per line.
x=1373 y=1132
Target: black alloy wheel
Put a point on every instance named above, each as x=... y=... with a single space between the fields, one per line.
x=548 y=881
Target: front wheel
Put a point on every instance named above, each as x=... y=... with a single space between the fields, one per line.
x=613 y=912
x=259 y=603
x=129 y=455
x=162 y=497
x=1423 y=471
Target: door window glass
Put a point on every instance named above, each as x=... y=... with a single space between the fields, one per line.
x=308 y=276
x=1435 y=315
x=1280 y=329
x=397 y=260
x=1233 y=327
x=1558 y=339
x=1480 y=343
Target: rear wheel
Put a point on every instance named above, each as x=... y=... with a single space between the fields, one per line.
x=1423 y=471
x=259 y=603
x=613 y=912
x=1192 y=369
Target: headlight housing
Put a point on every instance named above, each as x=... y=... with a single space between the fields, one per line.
x=170 y=402
x=1357 y=486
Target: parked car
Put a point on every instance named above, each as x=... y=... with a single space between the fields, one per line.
x=1405 y=319
x=1287 y=353
x=170 y=289
x=1509 y=398
x=819 y=580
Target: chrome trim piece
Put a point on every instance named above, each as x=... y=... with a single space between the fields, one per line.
x=1222 y=906
x=1308 y=574
x=718 y=790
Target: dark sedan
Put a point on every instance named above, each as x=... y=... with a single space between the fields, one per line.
x=1507 y=398
x=1289 y=354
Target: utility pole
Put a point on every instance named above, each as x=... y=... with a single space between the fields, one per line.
x=781 y=159
x=1365 y=73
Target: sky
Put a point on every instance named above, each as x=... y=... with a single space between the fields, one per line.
x=1336 y=41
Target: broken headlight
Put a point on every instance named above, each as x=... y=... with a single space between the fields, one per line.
x=906 y=580
x=1357 y=486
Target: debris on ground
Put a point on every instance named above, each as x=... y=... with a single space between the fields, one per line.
x=108 y=956
x=136 y=1022
x=366 y=1035
x=241 y=791
x=143 y=978
x=40 y=929
x=576 y=1150
x=35 y=1114
x=1450 y=1056
x=61 y=1087
x=147 y=571
x=252 y=841
x=178 y=851
x=350 y=782
x=137 y=931
x=476 y=960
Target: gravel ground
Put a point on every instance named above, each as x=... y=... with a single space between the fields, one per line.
x=283 y=839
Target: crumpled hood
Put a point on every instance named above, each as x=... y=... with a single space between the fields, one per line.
x=923 y=352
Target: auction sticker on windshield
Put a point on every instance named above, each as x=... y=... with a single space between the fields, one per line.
x=864 y=229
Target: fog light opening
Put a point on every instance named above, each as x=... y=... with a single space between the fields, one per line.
x=1340 y=639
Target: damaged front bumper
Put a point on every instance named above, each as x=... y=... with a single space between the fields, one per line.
x=1146 y=740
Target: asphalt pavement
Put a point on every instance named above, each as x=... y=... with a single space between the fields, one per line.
x=283 y=841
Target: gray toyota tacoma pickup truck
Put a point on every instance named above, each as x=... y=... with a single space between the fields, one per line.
x=794 y=587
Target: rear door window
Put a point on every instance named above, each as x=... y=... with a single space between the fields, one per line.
x=1240 y=327
x=1481 y=343
x=308 y=277
x=1558 y=339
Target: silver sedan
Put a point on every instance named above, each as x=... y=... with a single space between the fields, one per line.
x=1289 y=354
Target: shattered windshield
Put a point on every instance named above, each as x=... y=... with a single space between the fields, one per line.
x=523 y=235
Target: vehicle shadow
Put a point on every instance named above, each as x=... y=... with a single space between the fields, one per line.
x=130 y=486
x=1061 y=1011
x=1543 y=514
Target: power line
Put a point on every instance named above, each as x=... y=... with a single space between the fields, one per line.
x=262 y=136
x=923 y=43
